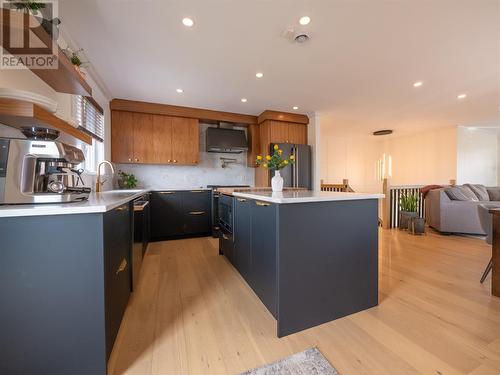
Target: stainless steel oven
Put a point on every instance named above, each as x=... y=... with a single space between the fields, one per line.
x=215 y=206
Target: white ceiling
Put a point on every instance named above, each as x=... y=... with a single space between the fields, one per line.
x=356 y=71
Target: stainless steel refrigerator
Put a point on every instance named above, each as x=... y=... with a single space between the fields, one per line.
x=299 y=173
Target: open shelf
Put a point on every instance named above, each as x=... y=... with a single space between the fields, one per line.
x=19 y=113
x=65 y=78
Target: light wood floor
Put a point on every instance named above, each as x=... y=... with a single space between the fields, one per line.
x=193 y=314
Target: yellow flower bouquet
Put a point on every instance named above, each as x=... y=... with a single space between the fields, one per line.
x=275 y=162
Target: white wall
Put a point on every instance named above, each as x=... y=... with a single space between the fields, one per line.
x=354 y=158
x=207 y=172
x=417 y=159
x=477 y=157
x=314 y=140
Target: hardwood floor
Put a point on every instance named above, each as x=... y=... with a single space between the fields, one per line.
x=194 y=314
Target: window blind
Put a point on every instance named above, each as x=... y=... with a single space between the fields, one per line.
x=89 y=118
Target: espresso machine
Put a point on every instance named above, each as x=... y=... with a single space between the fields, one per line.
x=40 y=171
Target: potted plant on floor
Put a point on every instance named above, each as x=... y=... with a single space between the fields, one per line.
x=275 y=162
x=408 y=210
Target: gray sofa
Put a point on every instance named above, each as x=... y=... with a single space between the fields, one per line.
x=451 y=214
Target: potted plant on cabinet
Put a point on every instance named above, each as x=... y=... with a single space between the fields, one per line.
x=408 y=210
x=275 y=162
x=127 y=180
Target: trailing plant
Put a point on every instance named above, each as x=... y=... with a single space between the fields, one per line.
x=275 y=162
x=28 y=5
x=128 y=180
x=408 y=202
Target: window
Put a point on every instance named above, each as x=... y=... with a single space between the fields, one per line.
x=89 y=118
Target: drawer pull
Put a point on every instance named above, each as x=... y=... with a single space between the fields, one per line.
x=225 y=237
x=122 y=208
x=262 y=204
x=197 y=213
x=166 y=192
x=122 y=266
x=241 y=200
x=197 y=191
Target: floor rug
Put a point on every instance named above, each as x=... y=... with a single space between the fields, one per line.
x=308 y=362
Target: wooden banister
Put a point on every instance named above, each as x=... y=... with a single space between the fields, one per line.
x=343 y=187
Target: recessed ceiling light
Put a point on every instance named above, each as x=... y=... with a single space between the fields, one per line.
x=259 y=75
x=188 y=22
x=461 y=96
x=243 y=100
x=295 y=107
x=418 y=84
x=304 y=20
x=180 y=91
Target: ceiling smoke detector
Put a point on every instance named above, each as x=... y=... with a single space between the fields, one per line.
x=383 y=132
x=301 y=37
x=297 y=36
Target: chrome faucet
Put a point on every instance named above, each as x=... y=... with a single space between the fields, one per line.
x=99 y=183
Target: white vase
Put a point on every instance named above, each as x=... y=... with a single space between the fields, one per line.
x=277 y=182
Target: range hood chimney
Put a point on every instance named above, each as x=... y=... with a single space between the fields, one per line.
x=227 y=141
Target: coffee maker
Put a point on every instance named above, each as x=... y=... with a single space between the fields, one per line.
x=40 y=171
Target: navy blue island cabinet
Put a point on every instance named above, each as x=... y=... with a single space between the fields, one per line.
x=65 y=282
x=311 y=262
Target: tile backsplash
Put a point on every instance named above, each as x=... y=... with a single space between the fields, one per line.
x=209 y=171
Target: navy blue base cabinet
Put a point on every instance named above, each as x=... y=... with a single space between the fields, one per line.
x=309 y=263
x=64 y=285
x=178 y=214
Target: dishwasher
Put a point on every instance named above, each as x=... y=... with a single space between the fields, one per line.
x=141 y=236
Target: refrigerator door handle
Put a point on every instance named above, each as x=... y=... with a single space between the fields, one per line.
x=297 y=161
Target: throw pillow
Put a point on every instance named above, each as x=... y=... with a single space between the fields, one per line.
x=480 y=191
x=494 y=194
x=461 y=193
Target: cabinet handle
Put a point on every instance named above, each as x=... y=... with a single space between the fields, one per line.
x=197 y=191
x=241 y=199
x=122 y=208
x=136 y=159
x=129 y=159
x=197 y=213
x=166 y=192
x=169 y=161
x=225 y=237
x=175 y=161
x=262 y=204
x=122 y=266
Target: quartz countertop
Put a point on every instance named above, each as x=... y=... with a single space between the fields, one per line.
x=97 y=203
x=230 y=191
x=302 y=196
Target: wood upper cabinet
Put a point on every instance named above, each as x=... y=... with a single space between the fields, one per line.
x=297 y=134
x=143 y=129
x=185 y=140
x=153 y=139
x=162 y=140
x=287 y=132
x=122 y=137
x=131 y=137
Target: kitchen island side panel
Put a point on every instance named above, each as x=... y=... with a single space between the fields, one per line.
x=52 y=295
x=327 y=262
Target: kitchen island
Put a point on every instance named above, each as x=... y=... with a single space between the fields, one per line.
x=310 y=257
x=65 y=282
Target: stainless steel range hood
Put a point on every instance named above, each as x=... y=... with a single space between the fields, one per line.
x=227 y=141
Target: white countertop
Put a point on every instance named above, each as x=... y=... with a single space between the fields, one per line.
x=97 y=203
x=304 y=196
